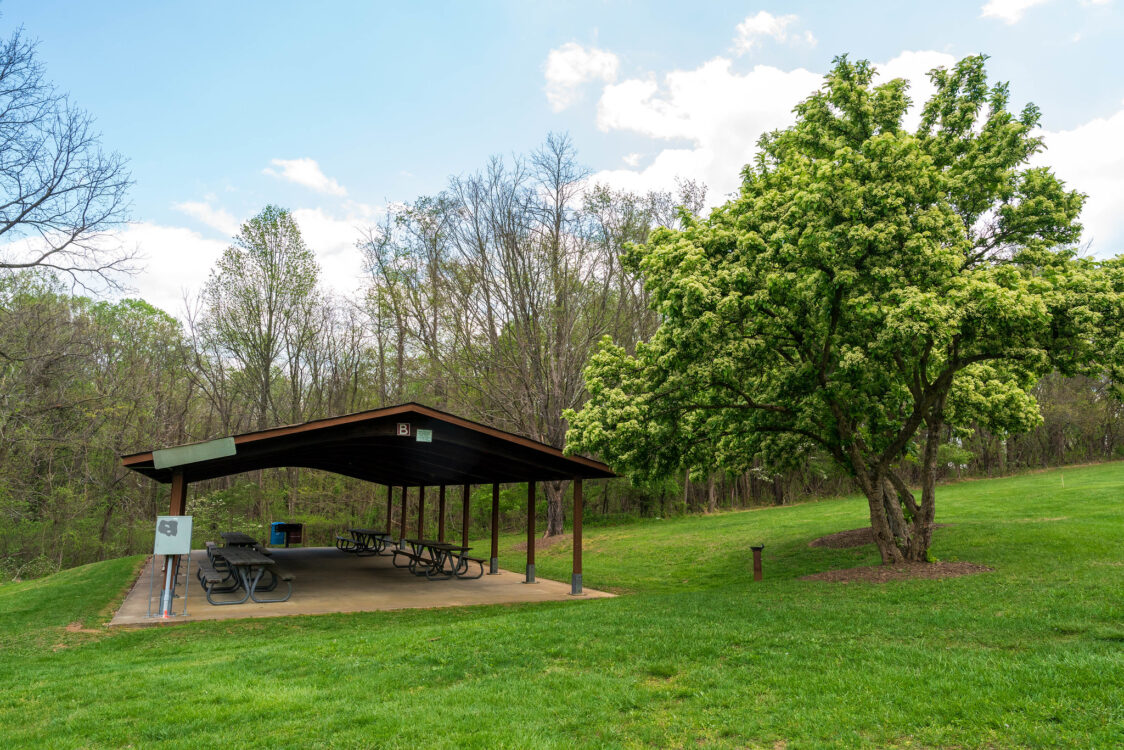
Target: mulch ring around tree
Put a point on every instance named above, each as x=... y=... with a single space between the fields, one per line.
x=900 y=572
x=852 y=538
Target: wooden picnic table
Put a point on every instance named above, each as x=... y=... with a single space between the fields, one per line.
x=370 y=532
x=238 y=539
x=364 y=542
x=248 y=566
x=444 y=560
x=374 y=539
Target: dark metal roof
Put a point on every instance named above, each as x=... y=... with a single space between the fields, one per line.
x=367 y=445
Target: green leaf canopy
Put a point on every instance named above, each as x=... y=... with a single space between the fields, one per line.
x=866 y=283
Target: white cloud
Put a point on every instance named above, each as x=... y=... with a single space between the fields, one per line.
x=305 y=172
x=710 y=118
x=1008 y=11
x=216 y=218
x=765 y=24
x=570 y=66
x=1090 y=158
x=333 y=239
x=176 y=261
x=721 y=113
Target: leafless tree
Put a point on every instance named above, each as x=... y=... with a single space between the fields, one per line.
x=505 y=282
x=61 y=196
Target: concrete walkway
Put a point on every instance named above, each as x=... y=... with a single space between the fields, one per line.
x=327 y=580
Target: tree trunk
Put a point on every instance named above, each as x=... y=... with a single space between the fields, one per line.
x=778 y=490
x=923 y=516
x=104 y=535
x=555 y=507
x=879 y=523
x=894 y=516
x=903 y=529
x=294 y=482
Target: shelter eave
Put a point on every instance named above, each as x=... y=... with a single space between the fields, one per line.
x=367 y=446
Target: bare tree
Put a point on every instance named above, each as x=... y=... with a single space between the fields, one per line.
x=504 y=283
x=60 y=195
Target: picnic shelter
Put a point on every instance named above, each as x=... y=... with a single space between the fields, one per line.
x=405 y=448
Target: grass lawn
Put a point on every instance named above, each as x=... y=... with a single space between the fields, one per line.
x=696 y=655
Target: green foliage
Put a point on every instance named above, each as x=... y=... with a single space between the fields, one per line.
x=865 y=284
x=954 y=455
x=262 y=300
x=80 y=383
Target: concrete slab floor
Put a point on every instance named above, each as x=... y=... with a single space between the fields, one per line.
x=327 y=580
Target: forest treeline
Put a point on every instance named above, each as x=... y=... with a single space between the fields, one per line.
x=485 y=300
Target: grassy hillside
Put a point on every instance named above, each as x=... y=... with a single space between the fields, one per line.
x=696 y=655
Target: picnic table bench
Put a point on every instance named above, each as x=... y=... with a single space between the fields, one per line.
x=214 y=573
x=234 y=567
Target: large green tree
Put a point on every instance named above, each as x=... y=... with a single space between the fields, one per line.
x=869 y=291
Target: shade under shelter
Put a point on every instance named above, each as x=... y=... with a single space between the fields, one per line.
x=405 y=446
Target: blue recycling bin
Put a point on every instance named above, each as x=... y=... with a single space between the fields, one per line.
x=277 y=532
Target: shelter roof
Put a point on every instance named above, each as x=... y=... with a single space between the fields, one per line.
x=374 y=446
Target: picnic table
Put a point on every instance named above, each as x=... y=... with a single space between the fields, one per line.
x=235 y=567
x=365 y=542
x=238 y=539
x=434 y=559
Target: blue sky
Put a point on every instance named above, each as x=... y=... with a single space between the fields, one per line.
x=336 y=109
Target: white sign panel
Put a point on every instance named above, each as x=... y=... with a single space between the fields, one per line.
x=173 y=535
x=425 y=436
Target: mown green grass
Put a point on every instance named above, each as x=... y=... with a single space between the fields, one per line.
x=694 y=655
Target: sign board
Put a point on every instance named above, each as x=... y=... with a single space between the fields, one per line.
x=173 y=535
x=403 y=429
x=425 y=436
x=189 y=454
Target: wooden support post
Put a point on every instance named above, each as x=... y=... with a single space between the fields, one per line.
x=576 y=575
x=402 y=520
x=178 y=506
x=530 y=533
x=465 y=517
x=389 y=510
x=494 y=562
x=441 y=514
x=421 y=512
